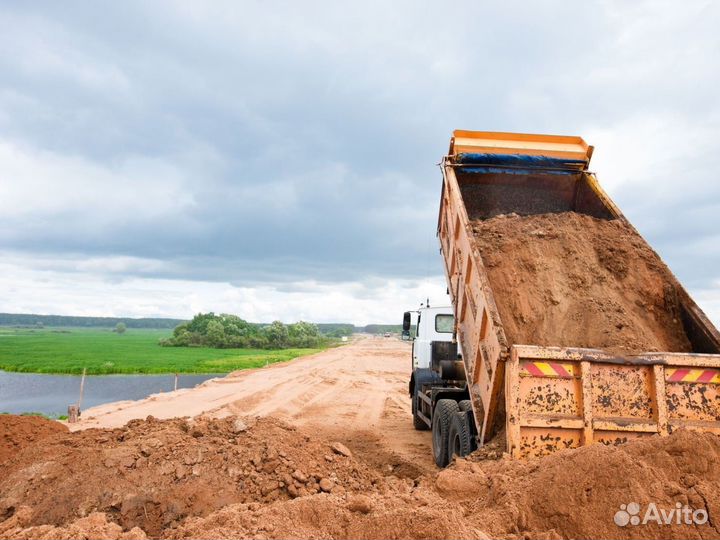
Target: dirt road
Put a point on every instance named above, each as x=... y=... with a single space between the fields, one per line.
x=358 y=390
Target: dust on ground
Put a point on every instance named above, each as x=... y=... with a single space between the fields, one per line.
x=571 y=280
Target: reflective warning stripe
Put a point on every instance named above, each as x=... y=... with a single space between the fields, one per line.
x=698 y=375
x=547 y=369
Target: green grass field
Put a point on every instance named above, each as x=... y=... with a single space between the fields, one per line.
x=101 y=351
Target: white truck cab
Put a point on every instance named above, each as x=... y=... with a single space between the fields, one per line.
x=433 y=324
x=438 y=372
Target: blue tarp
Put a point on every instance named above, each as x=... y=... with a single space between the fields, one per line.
x=477 y=169
x=518 y=160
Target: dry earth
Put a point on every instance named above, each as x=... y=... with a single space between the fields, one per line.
x=323 y=447
x=358 y=392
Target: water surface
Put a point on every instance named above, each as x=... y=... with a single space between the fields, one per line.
x=51 y=394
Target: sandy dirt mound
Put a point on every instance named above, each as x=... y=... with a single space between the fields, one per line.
x=17 y=432
x=398 y=513
x=153 y=474
x=262 y=478
x=576 y=493
x=94 y=526
x=572 y=280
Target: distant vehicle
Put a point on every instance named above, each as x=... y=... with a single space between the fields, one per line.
x=387 y=334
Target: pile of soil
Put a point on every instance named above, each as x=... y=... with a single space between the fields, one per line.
x=571 y=280
x=18 y=432
x=236 y=478
x=576 y=493
x=153 y=474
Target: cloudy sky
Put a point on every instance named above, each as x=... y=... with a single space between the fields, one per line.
x=277 y=159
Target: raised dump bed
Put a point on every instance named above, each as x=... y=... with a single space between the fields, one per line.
x=571 y=327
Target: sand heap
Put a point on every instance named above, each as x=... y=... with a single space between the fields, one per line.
x=576 y=281
x=18 y=432
x=153 y=474
x=576 y=493
x=236 y=478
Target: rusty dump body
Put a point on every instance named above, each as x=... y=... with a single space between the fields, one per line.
x=550 y=398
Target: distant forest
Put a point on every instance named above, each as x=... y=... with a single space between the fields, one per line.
x=27 y=320
x=38 y=321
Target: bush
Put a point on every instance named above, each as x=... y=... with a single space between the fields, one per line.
x=230 y=331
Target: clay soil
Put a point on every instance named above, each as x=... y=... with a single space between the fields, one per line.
x=572 y=280
x=337 y=460
x=18 y=432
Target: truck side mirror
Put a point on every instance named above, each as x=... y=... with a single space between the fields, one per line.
x=406 y=322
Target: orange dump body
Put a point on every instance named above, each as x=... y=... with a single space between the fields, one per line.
x=550 y=398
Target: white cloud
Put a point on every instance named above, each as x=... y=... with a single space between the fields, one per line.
x=39 y=184
x=93 y=288
x=658 y=151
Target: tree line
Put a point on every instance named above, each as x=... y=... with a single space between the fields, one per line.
x=55 y=321
x=226 y=331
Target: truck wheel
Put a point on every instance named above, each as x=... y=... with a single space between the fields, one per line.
x=459 y=436
x=418 y=423
x=421 y=377
x=465 y=405
x=441 y=419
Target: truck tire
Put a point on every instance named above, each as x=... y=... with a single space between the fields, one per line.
x=460 y=441
x=445 y=409
x=421 y=376
x=465 y=405
x=418 y=423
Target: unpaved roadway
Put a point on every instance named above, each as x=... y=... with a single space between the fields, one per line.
x=358 y=390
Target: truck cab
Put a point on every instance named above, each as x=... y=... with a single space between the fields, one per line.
x=434 y=324
x=438 y=375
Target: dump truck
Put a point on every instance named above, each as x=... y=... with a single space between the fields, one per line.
x=481 y=382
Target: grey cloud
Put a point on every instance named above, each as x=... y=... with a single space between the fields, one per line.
x=305 y=137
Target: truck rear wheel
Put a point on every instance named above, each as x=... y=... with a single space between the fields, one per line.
x=465 y=405
x=445 y=409
x=459 y=436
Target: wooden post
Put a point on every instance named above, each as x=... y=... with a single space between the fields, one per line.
x=176 y=381
x=82 y=390
x=73 y=414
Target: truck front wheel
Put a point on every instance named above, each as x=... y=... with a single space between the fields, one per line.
x=418 y=423
x=442 y=417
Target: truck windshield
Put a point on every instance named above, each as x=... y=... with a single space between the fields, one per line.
x=444 y=324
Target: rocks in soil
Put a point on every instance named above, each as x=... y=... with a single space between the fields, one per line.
x=360 y=503
x=341 y=449
x=326 y=485
x=239 y=426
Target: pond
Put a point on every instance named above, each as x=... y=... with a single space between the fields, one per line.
x=51 y=394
